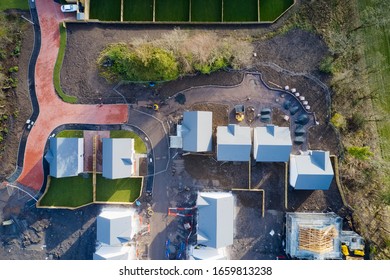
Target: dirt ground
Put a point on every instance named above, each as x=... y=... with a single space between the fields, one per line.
x=88 y=149
x=47 y=234
x=21 y=97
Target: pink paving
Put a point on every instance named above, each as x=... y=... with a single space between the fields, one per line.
x=88 y=150
x=53 y=111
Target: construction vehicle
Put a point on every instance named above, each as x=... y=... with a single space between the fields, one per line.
x=155 y=107
x=239 y=112
x=344 y=250
x=358 y=253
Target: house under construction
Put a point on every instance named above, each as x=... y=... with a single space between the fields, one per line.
x=313 y=235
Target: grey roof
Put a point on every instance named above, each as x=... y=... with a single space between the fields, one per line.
x=118 y=157
x=197 y=130
x=215 y=219
x=272 y=144
x=296 y=221
x=311 y=171
x=234 y=143
x=206 y=253
x=114 y=253
x=66 y=157
x=114 y=227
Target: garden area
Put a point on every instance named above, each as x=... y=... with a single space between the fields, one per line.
x=172 y=10
x=189 y=10
x=74 y=192
x=68 y=192
x=213 y=13
x=270 y=10
x=70 y=134
x=237 y=11
x=138 y=10
x=13 y=4
x=105 y=10
x=119 y=190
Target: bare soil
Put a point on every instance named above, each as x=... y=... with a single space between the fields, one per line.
x=20 y=102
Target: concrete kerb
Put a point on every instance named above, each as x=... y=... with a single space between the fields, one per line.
x=207 y=86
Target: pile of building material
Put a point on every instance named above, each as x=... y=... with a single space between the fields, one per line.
x=317 y=240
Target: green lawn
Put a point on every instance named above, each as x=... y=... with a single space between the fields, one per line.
x=119 y=190
x=172 y=10
x=68 y=192
x=240 y=10
x=58 y=66
x=206 y=10
x=71 y=134
x=105 y=10
x=272 y=9
x=13 y=4
x=139 y=145
x=377 y=55
x=138 y=10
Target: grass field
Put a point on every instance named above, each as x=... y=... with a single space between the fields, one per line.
x=272 y=9
x=105 y=10
x=138 y=10
x=139 y=145
x=68 y=192
x=377 y=54
x=179 y=10
x=58 y=66
x=78 y=191
x=237 y=11
x=206 y=10
x=120 y=190
x=172 y=10
x=71 y=134
x=13 y=4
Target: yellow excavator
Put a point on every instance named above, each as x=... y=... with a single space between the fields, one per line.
x=240 y=112
x=155 y=107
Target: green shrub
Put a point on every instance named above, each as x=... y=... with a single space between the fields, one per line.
x=360 y=153
x=326 y=65
x=338 y=121
x=143 y=63
x=356 y=122
x=16 y=51
x=176 y=53
x=13 y=69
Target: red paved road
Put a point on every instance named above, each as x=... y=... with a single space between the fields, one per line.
x=54 y=112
